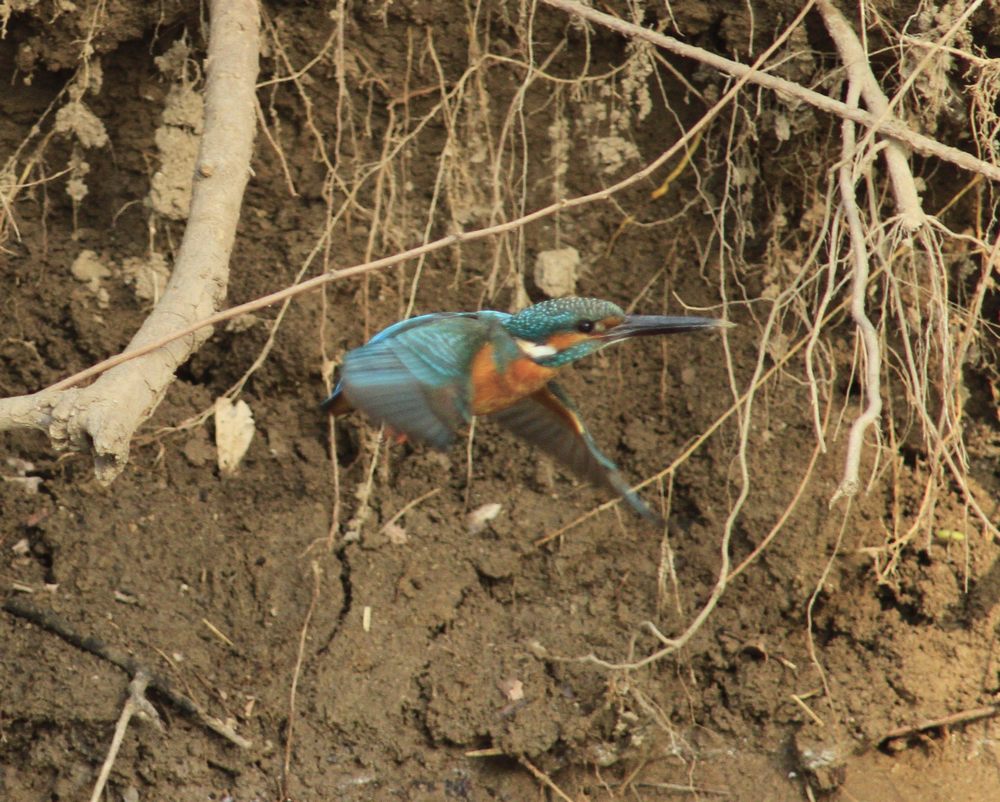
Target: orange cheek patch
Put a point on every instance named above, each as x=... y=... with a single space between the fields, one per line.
x=492 y=392
x=566 y=339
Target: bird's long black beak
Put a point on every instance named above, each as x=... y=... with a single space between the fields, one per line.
x=648 y=325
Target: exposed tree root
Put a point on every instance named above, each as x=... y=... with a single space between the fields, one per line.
x=884 y=125
x=103 y=417
x=50 y=622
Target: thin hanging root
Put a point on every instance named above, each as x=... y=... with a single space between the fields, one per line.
x=850 y=484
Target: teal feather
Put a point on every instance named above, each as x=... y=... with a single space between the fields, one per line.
x=415 y=375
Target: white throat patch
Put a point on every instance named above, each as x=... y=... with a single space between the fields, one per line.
x=534 y=350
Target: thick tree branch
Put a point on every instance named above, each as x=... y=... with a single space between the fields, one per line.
x=104 y=416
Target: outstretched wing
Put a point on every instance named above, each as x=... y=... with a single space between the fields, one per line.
x=549 y=420
x=414 y=376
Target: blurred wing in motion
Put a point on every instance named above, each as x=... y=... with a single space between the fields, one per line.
x=549 y=420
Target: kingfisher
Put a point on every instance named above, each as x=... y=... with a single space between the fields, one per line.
x=426 y=377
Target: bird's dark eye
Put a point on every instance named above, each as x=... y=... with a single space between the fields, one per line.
x=585 y=326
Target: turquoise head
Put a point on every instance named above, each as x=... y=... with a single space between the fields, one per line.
x=557 y=332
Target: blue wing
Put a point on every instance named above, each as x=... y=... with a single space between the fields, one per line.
x=414 y=375
x=549 y=420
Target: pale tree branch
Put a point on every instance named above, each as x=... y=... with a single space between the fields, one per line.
x=104 y=416
x=859 y=72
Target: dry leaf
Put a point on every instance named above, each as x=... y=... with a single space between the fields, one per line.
x=233 y=432
x=479 y=517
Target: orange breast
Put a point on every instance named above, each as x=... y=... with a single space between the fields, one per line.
x=492 y=391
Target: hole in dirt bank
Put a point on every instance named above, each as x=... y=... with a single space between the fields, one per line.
x=927 y=739
x=908 y=611
x=911 y=456
x=189 y=374
x=348 y=444
x=42 y=553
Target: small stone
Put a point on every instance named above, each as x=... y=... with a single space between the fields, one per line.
x=821 y=757
x=512 y=688
x=556 y=271
x=496 y=562
x=89 y=269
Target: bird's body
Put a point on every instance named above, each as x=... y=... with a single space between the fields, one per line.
x=498 y=382
x=427 y=376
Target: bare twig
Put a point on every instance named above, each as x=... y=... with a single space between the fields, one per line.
x=806 y=709
x=676 y=788
x=136 y=704
x=544 y=779
x=409 y=506
x=890 y=127
x=104 y=416
x=964 y=717
x=296 y=672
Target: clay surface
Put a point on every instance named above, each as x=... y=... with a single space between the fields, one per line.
x=433 y=659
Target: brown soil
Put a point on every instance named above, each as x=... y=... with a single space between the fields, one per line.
x=469 y=670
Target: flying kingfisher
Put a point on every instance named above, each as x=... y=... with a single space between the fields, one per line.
x=426 y=377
